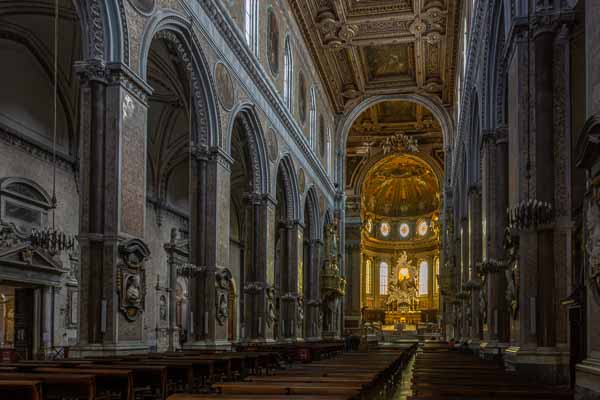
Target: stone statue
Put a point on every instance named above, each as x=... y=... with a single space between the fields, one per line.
x=132 y=290
x=593 y=247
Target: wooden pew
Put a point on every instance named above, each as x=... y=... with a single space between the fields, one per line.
x=73 y=386
x=21 y=390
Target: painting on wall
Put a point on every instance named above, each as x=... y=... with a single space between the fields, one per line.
x=389 y=61
x=273 y=42
x=302 y=98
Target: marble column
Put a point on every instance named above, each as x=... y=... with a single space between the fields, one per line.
x=112 y=203
x=291 y=325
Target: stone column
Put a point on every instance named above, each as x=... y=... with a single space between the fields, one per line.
x=209 y=230
x=313 y=302
x=475 y=248
x=259 y=294
x=464 y=278
x=541 y=319
x=294 y=320
x=353 y=284
x=112 y=207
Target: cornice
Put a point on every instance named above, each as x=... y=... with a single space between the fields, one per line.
x=216 y=11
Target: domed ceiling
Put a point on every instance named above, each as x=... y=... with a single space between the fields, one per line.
x=400 y=186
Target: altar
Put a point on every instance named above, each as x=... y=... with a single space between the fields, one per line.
x=402 y=317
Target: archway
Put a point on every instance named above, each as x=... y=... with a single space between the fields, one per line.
x=395 y=158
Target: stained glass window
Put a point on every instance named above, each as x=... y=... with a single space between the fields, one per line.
x=369 y=277
x=383 y=278
x=287 y=73
x=423 y=275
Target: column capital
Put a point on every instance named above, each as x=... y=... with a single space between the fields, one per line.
x=114 y=73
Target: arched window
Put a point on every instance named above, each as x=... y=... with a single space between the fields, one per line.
x=369 y=277
x=383 y=278
x=313 y=115
x=322 y=139
x=24 y=203
x=287 y=73
x=329 y=161
x=423 y=275
x=251 y=24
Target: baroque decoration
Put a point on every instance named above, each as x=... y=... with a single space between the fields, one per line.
x=131 y=278
x=223 y=280
x=371 y=47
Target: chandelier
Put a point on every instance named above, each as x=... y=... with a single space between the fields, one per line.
x=400 y=143
x=52 y=240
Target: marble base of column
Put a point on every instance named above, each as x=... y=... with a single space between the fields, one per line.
x=587 y=380
x=548 y=365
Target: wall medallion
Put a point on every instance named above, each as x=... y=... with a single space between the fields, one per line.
x=143 y=6
x=272 y=146
x=302 y=98
x=301 y=180
x=273 y=42
x=225 y=87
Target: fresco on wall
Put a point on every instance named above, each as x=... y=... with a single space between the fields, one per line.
x=273 y=42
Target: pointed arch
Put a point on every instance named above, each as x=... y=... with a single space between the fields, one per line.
x=287 y=172
x=245 y=118
x=288 y=72
x=174 y=28
x=311 y=215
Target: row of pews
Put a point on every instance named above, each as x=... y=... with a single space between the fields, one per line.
x=146 y=376
x=358 y=376
x=443 y=373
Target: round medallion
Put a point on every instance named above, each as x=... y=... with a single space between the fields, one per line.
x=301 y=180
x=273 y=147
x=404 y=229
x=384 y=228
x=143 y=6
x=422 y=228
x=224 y=86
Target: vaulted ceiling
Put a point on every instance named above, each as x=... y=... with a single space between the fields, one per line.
x=373 y=47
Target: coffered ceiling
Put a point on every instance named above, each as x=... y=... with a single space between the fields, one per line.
x=372 y=47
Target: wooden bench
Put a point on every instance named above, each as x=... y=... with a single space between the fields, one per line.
x=73 y=386
x=21 y=390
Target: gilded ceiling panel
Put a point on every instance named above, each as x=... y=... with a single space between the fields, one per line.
x=371 y=47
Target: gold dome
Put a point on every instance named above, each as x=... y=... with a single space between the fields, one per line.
x=401 y=186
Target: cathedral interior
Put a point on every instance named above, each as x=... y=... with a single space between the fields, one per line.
x=293 y=199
